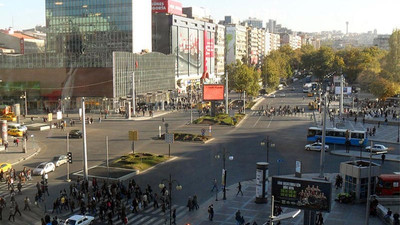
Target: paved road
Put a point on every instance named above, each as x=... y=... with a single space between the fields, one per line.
x=196 y=165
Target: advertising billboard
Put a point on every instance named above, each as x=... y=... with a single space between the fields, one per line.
x=166 y=6
x=346 y=90
x=213 y=92
x=302 y=193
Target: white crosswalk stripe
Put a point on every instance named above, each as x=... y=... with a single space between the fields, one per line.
x=307 y=114
x=149 y=216
x=5 y=193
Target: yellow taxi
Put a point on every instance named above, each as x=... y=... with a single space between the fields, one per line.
x=5 y=167
x=9 y=118
x=15 y=132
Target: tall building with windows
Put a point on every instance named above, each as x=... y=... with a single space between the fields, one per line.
x=236 y=42
x=254 y=22
x=98 y=28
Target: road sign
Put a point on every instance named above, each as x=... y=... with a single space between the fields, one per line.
x=169 y=138
x=133 y=135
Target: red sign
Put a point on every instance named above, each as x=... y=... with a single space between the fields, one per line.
x=213 y=92
x=166 y=6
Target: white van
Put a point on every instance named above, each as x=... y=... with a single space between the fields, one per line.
x=17 y=126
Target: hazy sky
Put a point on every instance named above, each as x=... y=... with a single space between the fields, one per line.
x=298 y=15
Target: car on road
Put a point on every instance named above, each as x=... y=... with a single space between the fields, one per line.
x=272 y=96
x=282 y=95
x=75 y=134
x=316 y=146
x=292 y=88
x=59 y=160
x=44 y=167
x=5 y=167
x=79 y=220
x=377 y=148
x=9 y=118
x=15 y=132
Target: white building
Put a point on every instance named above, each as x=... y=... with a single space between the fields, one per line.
x=272 y=42
x=293 y=41
x=219 y=50
x=236 y=42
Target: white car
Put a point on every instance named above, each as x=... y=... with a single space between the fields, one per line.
x=59 y=160
x=282 y=95
x=315 y=147
x=43 y=168
x=272 y=96
x=79 y=220
x=377 y=148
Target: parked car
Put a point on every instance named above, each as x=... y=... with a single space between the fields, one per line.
x=44 y=167
x=315 y=147
x=59 y=160
x=17 y=126
x=377 y=148
x=272 y=96
x=282 y=95
x=5 y=167
x=15 y=132
x=75 y=134
x=79 y=220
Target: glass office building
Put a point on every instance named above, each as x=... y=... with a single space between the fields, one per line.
x=93 y=28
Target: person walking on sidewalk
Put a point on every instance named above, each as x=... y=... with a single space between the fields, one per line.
x=239 y=187
x=214 y=186
x=383 y=157
x=211 y=212
x=27 y=202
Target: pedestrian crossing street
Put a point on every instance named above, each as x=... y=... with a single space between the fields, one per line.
x=148 y=216
x=307 y=114
x=5 y=193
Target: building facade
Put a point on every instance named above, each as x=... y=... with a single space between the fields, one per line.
x=20 y=43
x=236 y=42
x=382 y=41
x=191 y=41
x=254 y=22
x=219 y=51
x=272 y=42
x=293 y=41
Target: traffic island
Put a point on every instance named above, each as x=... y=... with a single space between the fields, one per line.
x=186 y=137
x=104 y=173
x=138 y=161
x=220 y=119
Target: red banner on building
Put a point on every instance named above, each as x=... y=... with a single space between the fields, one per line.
x=166 y=6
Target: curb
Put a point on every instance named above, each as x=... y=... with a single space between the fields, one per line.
x=357 y=155
x=28 y=157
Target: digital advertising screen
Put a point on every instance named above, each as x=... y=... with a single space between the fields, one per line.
x=213 y=92
x=302 y=193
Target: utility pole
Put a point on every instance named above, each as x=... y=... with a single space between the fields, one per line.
x=244 y=102
x=85 y=167
x=322 y=158
x=68 y=180
x=133 y=95
x=26 y=105
x=341 y=95
x=226 y=93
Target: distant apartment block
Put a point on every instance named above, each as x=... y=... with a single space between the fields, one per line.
x=219 y=50
x=382 y=41
x=19 y=43
x=254 y=22
x=293 y=41
x=236 y=42
x=272 y=42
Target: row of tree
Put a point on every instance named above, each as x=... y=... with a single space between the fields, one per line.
x=374 y=69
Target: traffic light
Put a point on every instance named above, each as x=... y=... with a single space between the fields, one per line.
x=69 y=154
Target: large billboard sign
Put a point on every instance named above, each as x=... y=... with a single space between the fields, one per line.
x=346 y=90
x=166 y=6
x=213 y=92
x=302 y=193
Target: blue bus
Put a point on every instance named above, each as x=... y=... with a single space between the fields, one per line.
x=337 y=136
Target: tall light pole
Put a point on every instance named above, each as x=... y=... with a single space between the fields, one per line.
x=226 y=92
x=26 y=103
x=85 y=167
x=369 y=183
x=223 y=154
x=322 y=158
x=178 y=187
x=398 y=129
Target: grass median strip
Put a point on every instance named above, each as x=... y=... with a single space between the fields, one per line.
x=220 y=119
x=138 y=161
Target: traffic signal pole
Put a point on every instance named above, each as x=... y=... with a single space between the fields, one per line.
x=68 y=180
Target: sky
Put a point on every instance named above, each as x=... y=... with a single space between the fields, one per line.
x=297 y=15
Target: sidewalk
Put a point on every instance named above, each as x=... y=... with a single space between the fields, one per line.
x=15 y=155
x=365 y=155
x=342 y=214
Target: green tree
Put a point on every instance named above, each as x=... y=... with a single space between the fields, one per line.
x=243 y=78
x=324 y=62
x=392 y=66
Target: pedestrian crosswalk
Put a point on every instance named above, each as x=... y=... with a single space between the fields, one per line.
x=5 y=192
x=148 y=216
x=307 y=114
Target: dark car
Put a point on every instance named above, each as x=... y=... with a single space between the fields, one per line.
x=75 y=134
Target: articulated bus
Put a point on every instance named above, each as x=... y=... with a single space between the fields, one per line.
x=388 y=184
x=337 y=136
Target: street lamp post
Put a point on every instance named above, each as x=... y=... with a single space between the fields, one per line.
x=178 y=187
x=398 y=129
x=223 y=154
x=267 y=143
x=26 y=103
